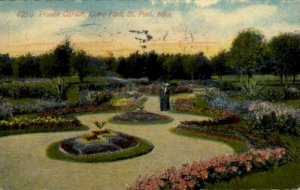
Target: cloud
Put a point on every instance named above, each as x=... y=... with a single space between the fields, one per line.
x=206 y=3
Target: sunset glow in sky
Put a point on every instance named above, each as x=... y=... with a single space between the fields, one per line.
x=118 y=26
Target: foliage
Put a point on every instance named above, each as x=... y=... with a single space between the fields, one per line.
x=271 y=93
x=246 y=50
x=60 y=87
x=285 y=49
x=79 y=62
x=27 y=90
x=282 y=124
x=251 y=89
x=5 y=65
x=62 y=56
x=219 y=63
x=99 y=98
x=217 y=169
x=26 y=66
x=38 y=123
x=100 y=125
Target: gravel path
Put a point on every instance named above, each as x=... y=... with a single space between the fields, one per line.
x=24 y=165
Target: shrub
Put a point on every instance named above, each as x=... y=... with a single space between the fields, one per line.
x=282 y=124
x=38 y=123
x=228 y=86
x=291 y=93
x=27 y=90
x=220 y=168
x=272 y=93
x=99 y=98
x=251 y=89
x=6 y=110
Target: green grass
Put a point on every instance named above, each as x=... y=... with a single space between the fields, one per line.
x=4 y=133
x=292 y=103
x=23 y=101
x=142 y=148
x=237 y=146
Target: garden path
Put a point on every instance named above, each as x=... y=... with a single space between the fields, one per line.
x=24 y=164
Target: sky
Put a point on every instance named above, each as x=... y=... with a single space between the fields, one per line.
x=101 y=27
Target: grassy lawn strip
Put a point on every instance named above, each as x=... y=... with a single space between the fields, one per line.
x=27 y=131
x=237 y=145
x=142 y=148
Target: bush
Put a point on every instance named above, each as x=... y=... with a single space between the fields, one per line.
x=272 y=93
x=38 y=123
x=272 y=123
x=99 y=98
x=291 y=93
x=228 y=86
x=27 y=90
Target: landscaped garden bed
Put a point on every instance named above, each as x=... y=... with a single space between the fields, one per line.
x=141 y=117
x=220 y=168
x=39 y=124
x=99 y=146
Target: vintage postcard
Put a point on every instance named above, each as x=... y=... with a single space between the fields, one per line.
x=149 y=94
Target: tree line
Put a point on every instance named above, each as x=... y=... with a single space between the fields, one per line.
x=250 y=53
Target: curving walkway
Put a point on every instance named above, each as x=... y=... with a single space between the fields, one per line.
x=24 y=164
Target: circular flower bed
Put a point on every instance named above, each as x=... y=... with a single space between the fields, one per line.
x=97 y=146
x=144 y=117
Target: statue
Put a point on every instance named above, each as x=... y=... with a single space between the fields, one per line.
x=165 y=97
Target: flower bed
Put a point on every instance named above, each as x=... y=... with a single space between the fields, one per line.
x=99 y=146
x=38 y=123
x=230 y=118
x=77 y=109
x=182 y=89
x=141 y=117
x=97 y=142
x=220 y=168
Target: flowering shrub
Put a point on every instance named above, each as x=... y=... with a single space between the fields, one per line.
x=99 y=97
x=182 y=89
x=9 y=109
x=219 y=168
x=282 y=124
x=257 y=109
x=122 y=102
x=184 y=101
x=38 y=123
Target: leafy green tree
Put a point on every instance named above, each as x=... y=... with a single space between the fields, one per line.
x=285 y=50
x=219 y=63
x=62 y=55
x=26 y=66
x=79 y=62
x=190 y=65
x=153 y=66
x=5 y=65
x=47 y=65
x=246 y=51
x=205 y=67
x=133 y=66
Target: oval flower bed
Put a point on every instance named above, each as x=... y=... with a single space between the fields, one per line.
x=140 y=117
x=99 y=146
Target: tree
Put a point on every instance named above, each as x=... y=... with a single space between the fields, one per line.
x=62 y=55
x=47 y=65
x=190 y=65
x=219 y=62
x=153 y=66
x=79 y=61
x=5 y=65
x=285 y=49
x=133 y=66
x=110 y=60
x=205 y=68
x=246 y=51
x=26 y=66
